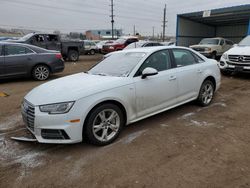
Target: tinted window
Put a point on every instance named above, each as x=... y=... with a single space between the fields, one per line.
x=228 y=42
x=16 y=50
x=39 y=38
x=148 y=44
x=222 y=42
x=159 y=61
x=157 y=44
x=183 y=57
x=52 y=38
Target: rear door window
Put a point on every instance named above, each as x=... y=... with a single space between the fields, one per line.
x=16 y=50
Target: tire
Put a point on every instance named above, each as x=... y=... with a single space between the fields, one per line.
x=206 y=93
x=92 y=52
x=73 y=55
x=100 y=128
x=41 y=72
x=226 y=72
x=213 y=56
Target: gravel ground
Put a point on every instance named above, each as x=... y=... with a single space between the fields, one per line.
x=188 y=146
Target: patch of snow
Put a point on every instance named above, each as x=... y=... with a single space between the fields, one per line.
x=185 y=116
x=164 y=125
x=200 y=124
x=30 y=159
x=130 y=138
x=10 y=122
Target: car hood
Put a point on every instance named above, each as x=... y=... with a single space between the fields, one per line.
x=72 y=88
x=239 y=50
x=203 y=46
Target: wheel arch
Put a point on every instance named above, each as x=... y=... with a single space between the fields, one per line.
x=111 y=101
x=212 y=79
x=37 y=64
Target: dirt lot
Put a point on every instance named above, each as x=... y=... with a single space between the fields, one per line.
x=188 y=146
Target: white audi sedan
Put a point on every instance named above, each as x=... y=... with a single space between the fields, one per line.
x=125 y=87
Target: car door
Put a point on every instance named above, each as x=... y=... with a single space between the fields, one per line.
x=188 y=71
x=1 y=61
x=17 y=59
x=156 y=92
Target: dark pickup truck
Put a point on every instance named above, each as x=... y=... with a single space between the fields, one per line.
x=70 y=49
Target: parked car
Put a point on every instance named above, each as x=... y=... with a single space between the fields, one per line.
x=237 y=59
x=26 y=60
x=169 y=43
x=119 y=44
x=213 y=47
x=142 y=44
x=98 y=103
x=70 y=49
x=90 y=47
x=101 y=43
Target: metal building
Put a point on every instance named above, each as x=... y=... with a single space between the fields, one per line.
x=232 y=23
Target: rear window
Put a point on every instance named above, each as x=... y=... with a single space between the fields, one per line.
x=17 y=50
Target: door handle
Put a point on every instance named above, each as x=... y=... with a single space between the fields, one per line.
x=29 y=58
x=172 y=78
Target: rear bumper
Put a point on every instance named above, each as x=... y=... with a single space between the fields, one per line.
x=57 y=66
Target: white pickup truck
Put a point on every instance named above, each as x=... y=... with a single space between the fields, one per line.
x=212 y=47
x=237 y=59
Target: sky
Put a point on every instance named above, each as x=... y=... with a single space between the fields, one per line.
x=82 y=15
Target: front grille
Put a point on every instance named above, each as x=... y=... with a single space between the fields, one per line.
x=28 y=113
x=239 y=58
x=239 y=64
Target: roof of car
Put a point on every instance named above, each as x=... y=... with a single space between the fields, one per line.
x=151 y=49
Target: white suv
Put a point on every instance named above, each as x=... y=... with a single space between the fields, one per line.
x=237 y=59
x=212 y=47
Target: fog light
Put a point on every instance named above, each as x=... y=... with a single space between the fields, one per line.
x=222 y=63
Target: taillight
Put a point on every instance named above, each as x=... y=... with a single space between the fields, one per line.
x=59 y=56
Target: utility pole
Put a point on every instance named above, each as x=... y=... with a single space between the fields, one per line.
x=134 y=30
x=164 y=23
x=153 y=32
x=112 y=17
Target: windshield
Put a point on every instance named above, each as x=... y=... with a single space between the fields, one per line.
x=26 y=37
x=120 y=41
x=210 y=41
x=245 y=41
x=118 y=64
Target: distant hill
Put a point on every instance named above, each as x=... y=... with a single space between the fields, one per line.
x=14 y=32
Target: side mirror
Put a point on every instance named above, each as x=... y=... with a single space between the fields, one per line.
x=148 y=72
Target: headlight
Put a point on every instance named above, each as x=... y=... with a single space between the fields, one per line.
x=207 y=49
x=224 y=56
x=111 y=47
x=58 y=108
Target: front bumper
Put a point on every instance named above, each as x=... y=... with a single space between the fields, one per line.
x=226 y=65
x=55 y=129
